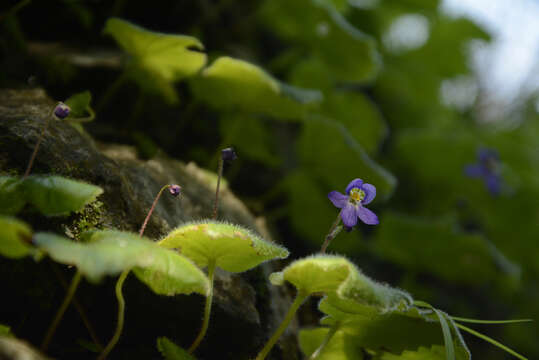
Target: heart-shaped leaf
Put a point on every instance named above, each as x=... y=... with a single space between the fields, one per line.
x=111 y=252
x=230 y=247
x=232 y=84
x=157 y=60
x=14 y=238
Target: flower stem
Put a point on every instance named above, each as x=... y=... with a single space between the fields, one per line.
x=143 y=227
x=207 y=310
x=219 y=175
x=326 y=340
x=300 y=298
x=121 y=313
x=60 y=313
x=331 y=234
x=36 y=148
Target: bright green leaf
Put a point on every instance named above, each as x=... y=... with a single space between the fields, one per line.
x=157 y=60
x=423 y=353
x=340 y=347
x=111 y=252
x=235 y=84
x=171 y=351
x=14 y=238
x=232 y=247
x=79 y=105
x=56 y=195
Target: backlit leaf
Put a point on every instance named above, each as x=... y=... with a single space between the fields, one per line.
x=235 y=84
x=231 y=247
x=171 y=351
x=11 y=195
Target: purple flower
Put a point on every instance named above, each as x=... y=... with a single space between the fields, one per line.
x=486 y=168
x=352 y=204
x=228 y=154
x=174 y=190
x=61 y=111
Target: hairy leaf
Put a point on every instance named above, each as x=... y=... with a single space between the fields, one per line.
x=231 y=247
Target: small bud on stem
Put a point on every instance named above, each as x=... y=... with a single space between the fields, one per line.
x=173 y=189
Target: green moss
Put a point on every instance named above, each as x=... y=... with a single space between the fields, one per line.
x=90 y=217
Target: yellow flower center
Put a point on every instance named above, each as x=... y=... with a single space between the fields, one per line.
x=356 y=195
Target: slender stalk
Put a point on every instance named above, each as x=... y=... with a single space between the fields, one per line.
x=36 y=148
x=60 y=313
x=331 y=234
x=89 y=118
x=121 y=313
x=216 y=202
x=207 y=310
x=326 y=340
x=143 y=227
x=300 y=298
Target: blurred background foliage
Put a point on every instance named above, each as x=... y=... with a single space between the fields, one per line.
x=314 y=93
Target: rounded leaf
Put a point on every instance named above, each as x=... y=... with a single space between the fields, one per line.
x=111 y=252
x=11 y=195
x=231 y=247
x=56 y=195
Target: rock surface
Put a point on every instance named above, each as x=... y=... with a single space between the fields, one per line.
x=246 y=309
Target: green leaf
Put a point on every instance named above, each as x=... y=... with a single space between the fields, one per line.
x=79 y=105
x=111 y=252
x=232 y=247
x=171 y=351
x=11 y=195
x=423 y=353
x=14 y=238
x=56 y=195
x=349 y=54
x=340 y=347
x=234 y=84
x=157 y=60
x=448 y=337
x=336 y=158
x=340 y=279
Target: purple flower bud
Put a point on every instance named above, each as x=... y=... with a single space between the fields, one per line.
x=228 y=154
x=61 y=111
x=174 y=190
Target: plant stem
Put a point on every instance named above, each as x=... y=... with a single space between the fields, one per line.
x=326 y=340
x=60 y=313
x=331 y=234
x=300 y=298
x=207 y=310
x=36 y=148
x=219 y=175
x=143 y=227
x=121 y=313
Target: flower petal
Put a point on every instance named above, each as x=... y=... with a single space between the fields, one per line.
x=370 y=193
x=338 y=199
x=493 y=183
x=348 y=215
x=367 y=216
x=475 y=171
x=486 y=154
x=356 y=183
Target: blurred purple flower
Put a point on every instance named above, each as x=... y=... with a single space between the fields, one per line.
x=352 y=204
x=486 y=168
x=61 y=111
x=175 y=190
x=228 y=154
